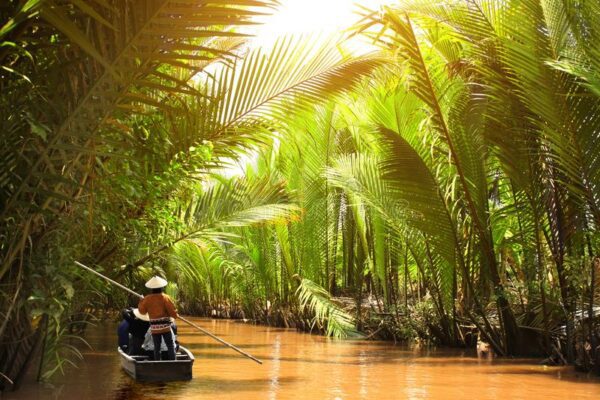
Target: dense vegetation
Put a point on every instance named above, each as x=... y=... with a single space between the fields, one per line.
x=444 y=187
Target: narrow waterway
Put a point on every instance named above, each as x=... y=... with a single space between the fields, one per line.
x=298 y=365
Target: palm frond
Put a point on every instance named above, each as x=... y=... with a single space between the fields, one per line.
x=327 y=314
x=298 y=72
x=414 y=184
x=240 y=203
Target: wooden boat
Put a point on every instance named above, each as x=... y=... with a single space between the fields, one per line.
x=144 y=369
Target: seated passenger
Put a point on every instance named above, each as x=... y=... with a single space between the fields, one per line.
x=123 y=334
x=138 y=326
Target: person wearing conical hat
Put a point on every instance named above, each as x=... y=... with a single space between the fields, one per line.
x=160 y=309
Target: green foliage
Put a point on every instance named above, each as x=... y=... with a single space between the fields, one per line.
x=326 y=313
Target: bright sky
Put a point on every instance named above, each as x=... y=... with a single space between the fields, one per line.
x=311 y=16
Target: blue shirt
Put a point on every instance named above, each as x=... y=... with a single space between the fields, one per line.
x=123 y=333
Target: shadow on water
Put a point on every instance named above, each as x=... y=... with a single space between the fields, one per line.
x=550 y=373
x=204 y=385
x=210 y=384
x=215 y=356
x=274 y=330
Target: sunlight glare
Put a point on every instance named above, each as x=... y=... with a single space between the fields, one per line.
x=323 y=17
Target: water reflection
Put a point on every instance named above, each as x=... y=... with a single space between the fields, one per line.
x=308 y=366
x=275 y=368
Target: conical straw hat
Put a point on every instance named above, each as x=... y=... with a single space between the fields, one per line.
x=156 y=282
x=139 y=315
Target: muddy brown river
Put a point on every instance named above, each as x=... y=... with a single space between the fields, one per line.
x=303 y=366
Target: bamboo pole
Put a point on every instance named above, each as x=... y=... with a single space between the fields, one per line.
x=192 y=324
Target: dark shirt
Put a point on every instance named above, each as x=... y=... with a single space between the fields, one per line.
x=138 y=328
x=123 y=333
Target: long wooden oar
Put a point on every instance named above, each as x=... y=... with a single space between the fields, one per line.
x=218 y=339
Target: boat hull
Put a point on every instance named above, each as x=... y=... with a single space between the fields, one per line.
x=142 y=369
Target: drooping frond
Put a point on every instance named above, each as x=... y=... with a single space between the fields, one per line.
x=413 y=182
x=327 y=314
x=230 y=204
x=297 y=73
x=240 y=203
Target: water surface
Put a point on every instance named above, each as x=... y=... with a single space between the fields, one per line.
x=299 y=365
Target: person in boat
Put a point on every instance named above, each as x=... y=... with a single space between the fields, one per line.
x=138 y=326
x=160 y=309
x=123 y=332
x=132 y=331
